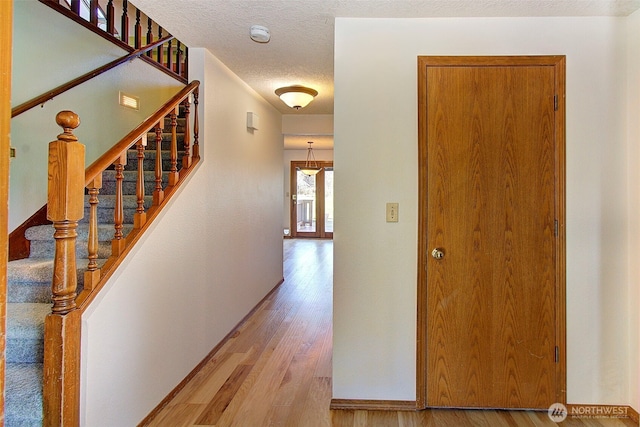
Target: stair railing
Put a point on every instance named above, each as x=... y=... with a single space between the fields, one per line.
x=66 y=187
x=117 y=156
x=110 y=19
x=48 y=96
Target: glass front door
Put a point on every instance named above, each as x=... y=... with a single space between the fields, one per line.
x=312 y=201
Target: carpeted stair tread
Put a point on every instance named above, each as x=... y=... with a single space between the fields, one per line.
x=25 y=332
x=105 y=232
x=23 y=397
x=22 y=320
x=39 y=270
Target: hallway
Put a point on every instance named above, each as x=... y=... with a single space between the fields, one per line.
x=276 y=369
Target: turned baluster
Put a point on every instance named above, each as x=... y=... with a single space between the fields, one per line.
x=185 y=62
x=196 y=128
x=178 y=58
x=158 y=193
x=92 y=275
x=160 y=55
x=65 y=207
x=75 y=7
x=93 y=12
x=118 y=242
x=140 y=217
x=149 y=35
x=111 y=18
x=124 y=23
x=170 y=55
x=186 y=159
x=137 y=31
x=173 y=165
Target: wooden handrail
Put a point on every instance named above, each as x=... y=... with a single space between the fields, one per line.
x=108 y=158
x=47 y=96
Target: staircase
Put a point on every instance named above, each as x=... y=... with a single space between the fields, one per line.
x=29 y=279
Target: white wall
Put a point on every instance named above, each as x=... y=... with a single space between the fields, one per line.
x=40 y=63
x=212 y=255
x=633 y=158
x=290 y=155
x=376 y=162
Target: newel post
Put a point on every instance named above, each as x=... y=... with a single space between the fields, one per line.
x=62 y=326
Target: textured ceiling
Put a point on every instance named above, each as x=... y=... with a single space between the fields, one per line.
x=301 y=46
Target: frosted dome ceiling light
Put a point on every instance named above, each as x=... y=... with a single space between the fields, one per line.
x=260 y=34
x=296 y=97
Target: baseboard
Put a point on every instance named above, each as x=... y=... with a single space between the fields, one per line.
x=206 y=360
x=633 y=415
x=373 y=405
x=602 y=411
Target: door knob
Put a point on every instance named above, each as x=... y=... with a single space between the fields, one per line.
x=437 y=253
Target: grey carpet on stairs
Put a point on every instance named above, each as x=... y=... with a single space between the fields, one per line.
x=23 y=399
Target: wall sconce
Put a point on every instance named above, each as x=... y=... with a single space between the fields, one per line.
x=296 y=97
x=253 y=121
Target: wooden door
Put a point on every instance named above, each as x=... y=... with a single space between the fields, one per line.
x=491 y=206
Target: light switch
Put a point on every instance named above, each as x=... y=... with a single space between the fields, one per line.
x=392 y=212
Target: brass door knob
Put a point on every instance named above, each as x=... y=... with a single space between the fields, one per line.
x=437 y=253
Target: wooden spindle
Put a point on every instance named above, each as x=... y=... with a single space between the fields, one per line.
x=140 y=217
x=149 y=35
x=111 y=18
x=92 y=275
x=160 y=55
x=170 y=55
x=137 y=31
x=124 y=25
x=185 y=61
x=75 y=6
x=118 y=243
x=186 y=159
x=158 y=193
x=196 y=128
x=65 y=208
x=173 y=158
x=179 y=58
x=93 y=12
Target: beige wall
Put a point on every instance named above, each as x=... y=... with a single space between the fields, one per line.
x=633 y=159
x=376 y=162
x=43 y=62
x=210 y=257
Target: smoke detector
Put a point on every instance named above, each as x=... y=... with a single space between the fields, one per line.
x=259 y=34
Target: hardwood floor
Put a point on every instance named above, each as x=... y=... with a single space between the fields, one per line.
x=276 y=370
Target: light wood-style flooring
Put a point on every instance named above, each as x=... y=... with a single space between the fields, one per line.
x=276 y=369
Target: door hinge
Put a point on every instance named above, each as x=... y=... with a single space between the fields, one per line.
x=555 y=227
x=555 y=102
x=557 y=355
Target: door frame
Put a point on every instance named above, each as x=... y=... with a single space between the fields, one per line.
x=558 y=62
x=320 y=232
x=6 y=20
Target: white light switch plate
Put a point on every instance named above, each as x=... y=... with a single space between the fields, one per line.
x=392 y=212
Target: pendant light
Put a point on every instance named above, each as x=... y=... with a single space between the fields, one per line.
x=310 y=168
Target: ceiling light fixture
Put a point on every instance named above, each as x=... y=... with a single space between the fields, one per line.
x=310 y=168
x=296 y=97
